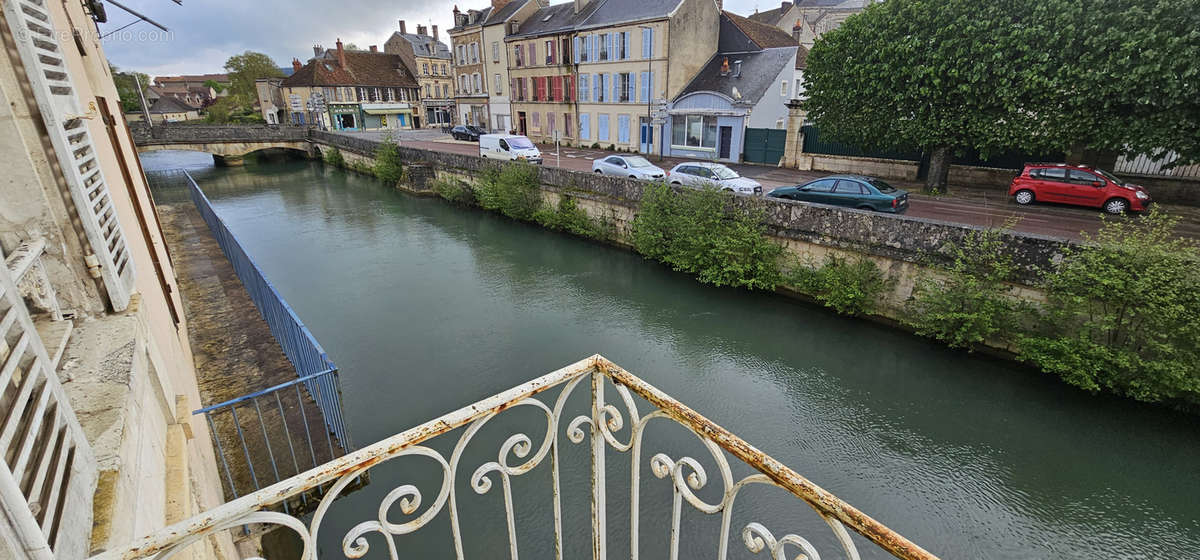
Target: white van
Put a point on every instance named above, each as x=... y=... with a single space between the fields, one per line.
x=509 y=147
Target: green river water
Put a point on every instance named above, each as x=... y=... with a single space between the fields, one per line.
x=426 y=307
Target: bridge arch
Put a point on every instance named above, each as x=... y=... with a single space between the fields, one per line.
x=230 y=153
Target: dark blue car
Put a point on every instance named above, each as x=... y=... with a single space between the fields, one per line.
x=854 y=191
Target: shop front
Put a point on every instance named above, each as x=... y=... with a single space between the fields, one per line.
x=346 y=116
x=387 y=116
x=705 y=125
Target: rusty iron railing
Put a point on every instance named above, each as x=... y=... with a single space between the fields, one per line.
x=616 y=426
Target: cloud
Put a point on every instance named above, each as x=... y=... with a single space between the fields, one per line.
x=205 y=33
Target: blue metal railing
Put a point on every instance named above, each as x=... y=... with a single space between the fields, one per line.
x=298 y=344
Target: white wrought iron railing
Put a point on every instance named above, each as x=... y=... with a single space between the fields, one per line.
x=617 y=426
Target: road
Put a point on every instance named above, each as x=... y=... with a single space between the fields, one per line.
x=985 y=206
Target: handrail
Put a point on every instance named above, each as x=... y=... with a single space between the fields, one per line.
x=604 y=418
x=251 y=396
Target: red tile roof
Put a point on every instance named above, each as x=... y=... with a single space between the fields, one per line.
x=363 y=68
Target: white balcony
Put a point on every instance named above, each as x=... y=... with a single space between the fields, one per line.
x=704 y=485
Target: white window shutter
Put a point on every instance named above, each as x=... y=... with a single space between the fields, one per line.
x=575 y=50
x=65 y=117
x=625 y=51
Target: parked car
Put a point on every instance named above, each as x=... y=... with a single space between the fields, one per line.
x=1079 y=185
x=854 y=191
x=509 y=147
x=713 y=175
x=466 y=132
x=634 y=167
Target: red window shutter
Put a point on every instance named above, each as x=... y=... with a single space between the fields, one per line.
x=569 y=88
x=553 y=51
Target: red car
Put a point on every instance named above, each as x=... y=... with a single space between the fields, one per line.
x=1079 y=185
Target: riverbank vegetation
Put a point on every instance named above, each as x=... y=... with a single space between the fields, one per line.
x=848 y=286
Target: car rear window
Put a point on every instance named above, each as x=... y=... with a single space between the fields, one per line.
x=882 y=186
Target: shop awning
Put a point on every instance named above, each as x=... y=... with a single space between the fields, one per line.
x=386 y=108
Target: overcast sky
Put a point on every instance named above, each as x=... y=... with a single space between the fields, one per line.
x=204 y=33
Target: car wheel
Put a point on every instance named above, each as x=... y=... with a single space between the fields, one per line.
x=633 y=176
x=1024 y=196
x=598 y=172
x=677 y=183
x=1116 y=206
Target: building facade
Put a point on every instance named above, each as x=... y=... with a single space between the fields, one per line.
x=743 y=90
x=351 y=90
x=429 y=60
x=808 y=19
x=541 y=73
x=496 y=57
x=471 y=88
x=633 y=56
x=93 y=319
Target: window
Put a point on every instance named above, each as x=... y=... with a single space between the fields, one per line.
x=694 y=131
x=824 y=185
x=550 y=123
x=497 y=89
x=622 y=46
x=1053 y=174
x=605 y=41
x=624 y=87
x=556 y=94
x=567 y=125
x=583 y=49
x=799 y=87
x=1083 y=177
x=549 y=45
x=602 y=127
x=532 y=54
x=599 y=87
x=474 y=53
x=565 y=55
x=647 y=43
x=881 y=186
x=783 y=88
x=585 y=94
x=585 y=128
x=362 y=94
x=518 y=52
x=537 y=120
x=444 y=72
x=623 y=129
x=496 y=52
x=519 y=89
x=425 y=68
x=848 y=187
x=477 y=81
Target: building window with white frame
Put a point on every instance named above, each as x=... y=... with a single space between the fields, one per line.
x=495 y=51
x=783 y=88
x=497 y=89
x=694 y=131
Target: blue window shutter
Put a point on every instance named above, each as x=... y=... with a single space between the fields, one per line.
x=647 y=49
x=626 y=36
x=623 y=129
x=608 y=45
x=645 y=87
x=616 y=91
x=575 y=51
x=602 y=127
x=632 y=88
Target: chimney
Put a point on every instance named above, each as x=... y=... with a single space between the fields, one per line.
x=402 y=31
x=420 y=30
x=785 y=5
x=374 y=48
x=296 y=66
x=317 y=50
x=580 y=5
x=725 y=67
x=341 y=53
x=435 y=33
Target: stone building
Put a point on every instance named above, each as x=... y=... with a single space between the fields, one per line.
x=496 y=56
x=471 y=88
x=341 y=89
x=808 y=19
x=95 y=363
x=541 y=71
x=631 y=55
x=743 y=88
x=166 y=109
x=429 y=60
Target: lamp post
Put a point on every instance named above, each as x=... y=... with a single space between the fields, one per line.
x=649 y=91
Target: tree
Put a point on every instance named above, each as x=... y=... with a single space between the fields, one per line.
x=1127 y=79
x=127 y=88
x=217 y=87
x=244 y=69
x=937 y=75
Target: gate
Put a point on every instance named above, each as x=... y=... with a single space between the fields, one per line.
x=764 y=145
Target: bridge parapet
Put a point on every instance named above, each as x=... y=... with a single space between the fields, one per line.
x=205 y=133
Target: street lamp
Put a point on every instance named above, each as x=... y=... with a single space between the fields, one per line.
x=649 y=90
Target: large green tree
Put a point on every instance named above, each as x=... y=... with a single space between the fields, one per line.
x=127 y=88
x=1031 y=75
x=244 y=69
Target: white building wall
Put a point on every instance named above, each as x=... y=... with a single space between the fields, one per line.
x=771 y=111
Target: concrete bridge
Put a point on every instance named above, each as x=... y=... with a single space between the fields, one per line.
x=227 y=143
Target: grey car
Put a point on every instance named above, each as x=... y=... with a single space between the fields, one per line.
x=712 y=175
x=634 y=167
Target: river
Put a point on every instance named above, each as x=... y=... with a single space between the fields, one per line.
x=426 y=307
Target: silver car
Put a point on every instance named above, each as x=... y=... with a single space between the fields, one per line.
x=634 y=167
x=712 y=175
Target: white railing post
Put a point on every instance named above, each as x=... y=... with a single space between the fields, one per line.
x=599 y=530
